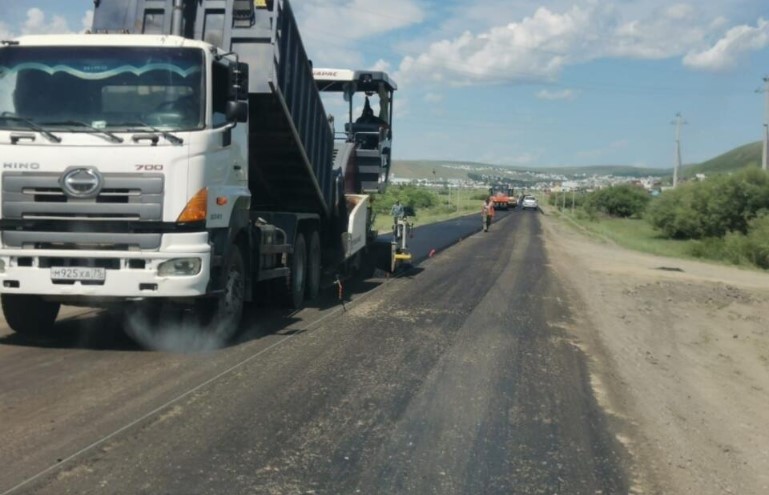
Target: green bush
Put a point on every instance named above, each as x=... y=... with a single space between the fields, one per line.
x=413 y=196
x=711 y=208
x=757 y=242
x=618 y=201
x=737 y=248
x=674 y=214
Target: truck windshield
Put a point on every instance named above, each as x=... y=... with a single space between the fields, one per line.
x=104 y=87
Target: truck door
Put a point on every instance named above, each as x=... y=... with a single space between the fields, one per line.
x=229 y=141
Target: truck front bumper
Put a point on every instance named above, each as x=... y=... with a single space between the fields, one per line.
x=128 y=274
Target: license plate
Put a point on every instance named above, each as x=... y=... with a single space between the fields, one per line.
x=80 y=273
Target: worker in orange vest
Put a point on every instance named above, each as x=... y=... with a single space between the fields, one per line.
x=487 y=213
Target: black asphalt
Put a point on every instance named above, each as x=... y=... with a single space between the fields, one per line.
x=456 y=378
x=434 y=237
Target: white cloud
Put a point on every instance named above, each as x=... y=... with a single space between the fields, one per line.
x=38 y=23
x=433 y=98
x=5 y=31
x=402 y=108
x=538 y=46
x=381 y=65
x=357 y=19
x=727 y=51
x=532 y=49
x=87 y=20
x=564 y=94
x=334 y=31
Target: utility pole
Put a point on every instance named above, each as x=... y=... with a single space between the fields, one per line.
x=765 y=137
x=678 y=122
x=458 y=189
x=573 y=199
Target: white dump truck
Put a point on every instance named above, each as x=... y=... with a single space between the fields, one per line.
x=176 y=156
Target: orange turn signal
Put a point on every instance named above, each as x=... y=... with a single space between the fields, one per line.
x=196 y=209
x=221 y=200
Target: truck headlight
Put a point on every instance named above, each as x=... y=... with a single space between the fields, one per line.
x=179 y=267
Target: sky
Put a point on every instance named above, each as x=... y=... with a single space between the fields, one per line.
x=533 y=83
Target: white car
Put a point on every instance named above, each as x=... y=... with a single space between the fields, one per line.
x=529 y=202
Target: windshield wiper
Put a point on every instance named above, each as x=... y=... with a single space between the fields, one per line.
x=107 y=134
x=170 y=137
x=32 y=125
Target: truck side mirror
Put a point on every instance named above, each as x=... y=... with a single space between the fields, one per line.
x=236 y=111
x=238 y=78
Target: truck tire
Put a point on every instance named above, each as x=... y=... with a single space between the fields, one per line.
x=29 y=315
x=225 y=313
x=313 y=266
x=294 y=285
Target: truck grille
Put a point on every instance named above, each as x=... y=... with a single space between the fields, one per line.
x=38 y=196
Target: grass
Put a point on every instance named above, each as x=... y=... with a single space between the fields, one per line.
x=633 y=233
x=444 y=211
x=638 y=235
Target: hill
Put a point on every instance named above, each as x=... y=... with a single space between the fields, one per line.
x=428 y=169
x=615 y=170
x=736 y=159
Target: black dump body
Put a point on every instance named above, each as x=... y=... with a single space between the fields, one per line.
x=290 y=142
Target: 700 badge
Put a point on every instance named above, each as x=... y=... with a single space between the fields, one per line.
x=149 y=168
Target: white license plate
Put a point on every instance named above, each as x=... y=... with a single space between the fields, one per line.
x=80 y=273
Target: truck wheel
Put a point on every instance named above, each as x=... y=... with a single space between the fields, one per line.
x=293 y=286
x=313 y=266
x=226 y=311
x=29 y=315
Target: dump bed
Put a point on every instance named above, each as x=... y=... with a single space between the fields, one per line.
x=290 y=142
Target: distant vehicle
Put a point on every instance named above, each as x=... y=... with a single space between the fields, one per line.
x=502 y=196
x=529 y=202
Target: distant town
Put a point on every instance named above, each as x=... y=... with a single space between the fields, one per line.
x=475 y=176
x=442 y=174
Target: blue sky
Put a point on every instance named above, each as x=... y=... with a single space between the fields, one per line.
x=545 y=83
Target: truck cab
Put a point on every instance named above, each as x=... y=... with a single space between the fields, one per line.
x=123 y=162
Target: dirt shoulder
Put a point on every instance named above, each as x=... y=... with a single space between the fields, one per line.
x=679 y=356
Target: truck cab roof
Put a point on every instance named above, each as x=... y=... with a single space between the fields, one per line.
x=110 y=40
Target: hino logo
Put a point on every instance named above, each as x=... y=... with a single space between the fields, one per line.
x=21 y=166
x=81 y=182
